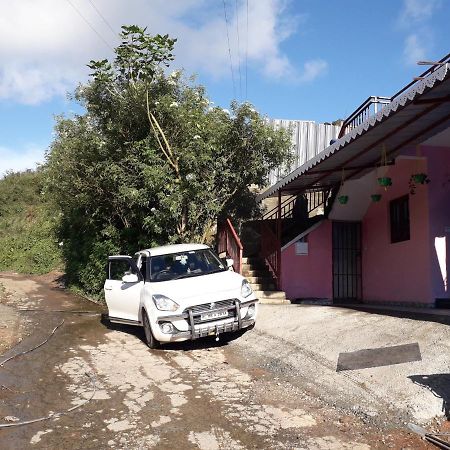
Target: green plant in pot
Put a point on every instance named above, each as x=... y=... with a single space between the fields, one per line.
x=416 y=179
x=420 y=178
x=385 y=181
x=343 y=199
x=375 y=197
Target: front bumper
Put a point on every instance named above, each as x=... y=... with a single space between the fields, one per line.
x=197 y=330
x=212 y=330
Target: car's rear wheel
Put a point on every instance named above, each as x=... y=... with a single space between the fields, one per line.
x=149 y=338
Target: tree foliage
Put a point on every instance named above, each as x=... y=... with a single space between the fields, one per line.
x=151 y=161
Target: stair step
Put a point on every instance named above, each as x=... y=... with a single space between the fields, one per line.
x=260 y=280
x=251 y=260
x=255 y=273
x=274 y=301
x=270 y=294
x=254 y=266
x=262 y=287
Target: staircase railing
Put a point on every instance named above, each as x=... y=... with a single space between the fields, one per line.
x=271 y=252
x=315 y=200
x=229 y=243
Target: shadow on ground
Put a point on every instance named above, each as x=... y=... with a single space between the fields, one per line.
x=413 y=315
x=439 y=385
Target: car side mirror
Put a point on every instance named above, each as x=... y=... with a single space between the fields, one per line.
x=130 y=278
x=229 y=262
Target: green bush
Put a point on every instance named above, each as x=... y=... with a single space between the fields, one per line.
x=28 y=220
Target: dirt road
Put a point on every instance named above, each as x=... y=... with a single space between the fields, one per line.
x=202 y=395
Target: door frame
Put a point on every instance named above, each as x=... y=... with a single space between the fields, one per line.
x=114 y=283
x=359 y=268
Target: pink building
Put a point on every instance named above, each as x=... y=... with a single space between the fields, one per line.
x=368 y=219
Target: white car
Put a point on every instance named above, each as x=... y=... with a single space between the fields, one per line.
x=178 y=292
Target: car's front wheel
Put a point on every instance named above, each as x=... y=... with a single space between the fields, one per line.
x=149 y=338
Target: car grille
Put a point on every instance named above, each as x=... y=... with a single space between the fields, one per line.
x=197 y=310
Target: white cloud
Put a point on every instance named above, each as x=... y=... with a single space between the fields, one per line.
x=414 y=18
x=313 y=69
x=414 y=49
x=416 y=11
x=45 y=44
x=20 y=159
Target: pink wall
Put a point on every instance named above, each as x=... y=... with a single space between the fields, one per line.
x=309 y=276
x=398 y=272
x=439 y=203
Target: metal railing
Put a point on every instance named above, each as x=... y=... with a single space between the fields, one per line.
x=369 y=108
x=229 y=243
x=373 y=104
x=271 y=252
x=315 y=199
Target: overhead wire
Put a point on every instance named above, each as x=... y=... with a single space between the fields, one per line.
x=103 y=18
x=90 y=26
x=246 y=56
x=239 y=49
x=229 y=48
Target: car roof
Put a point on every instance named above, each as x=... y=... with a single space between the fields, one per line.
x=175 y=248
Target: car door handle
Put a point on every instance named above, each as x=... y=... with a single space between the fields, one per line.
x=108 y=288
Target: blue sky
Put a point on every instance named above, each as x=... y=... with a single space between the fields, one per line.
x=306 y=59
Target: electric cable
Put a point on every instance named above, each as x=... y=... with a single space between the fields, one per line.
x=89 y=25
x=239 y=49
x=246 y=56
x=229 y=48
x=103 y=18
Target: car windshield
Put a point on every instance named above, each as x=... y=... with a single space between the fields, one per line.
x=184 y=264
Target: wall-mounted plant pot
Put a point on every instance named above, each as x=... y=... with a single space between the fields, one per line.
x=420 y=178
x=343 y=199
x=385 y=181
x=375 y=197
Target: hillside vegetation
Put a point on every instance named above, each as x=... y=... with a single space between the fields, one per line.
x=28 y=243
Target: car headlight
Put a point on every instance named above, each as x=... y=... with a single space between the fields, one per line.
x=164 y=303
x=246 y=290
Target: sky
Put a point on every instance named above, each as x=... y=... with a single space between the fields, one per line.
x=293 y=59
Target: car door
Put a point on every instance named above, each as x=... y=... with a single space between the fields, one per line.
x=123 y=288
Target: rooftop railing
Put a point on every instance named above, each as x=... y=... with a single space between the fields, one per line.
x=373 y=104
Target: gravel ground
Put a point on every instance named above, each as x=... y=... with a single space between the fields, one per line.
x=303 y=342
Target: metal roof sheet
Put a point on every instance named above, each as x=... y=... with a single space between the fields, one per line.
x=409 y=119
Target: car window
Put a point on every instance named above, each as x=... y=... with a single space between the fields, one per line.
x=118 y=268
x=184 y=264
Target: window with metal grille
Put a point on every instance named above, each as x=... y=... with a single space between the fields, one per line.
x=399 y=216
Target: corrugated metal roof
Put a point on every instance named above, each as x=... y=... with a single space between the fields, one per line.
x=411 y=118
x=308 y=139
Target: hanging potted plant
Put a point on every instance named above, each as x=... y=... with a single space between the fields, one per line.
x=418 y=177
x=375 y=197
x=343 y=198
x=383 y=180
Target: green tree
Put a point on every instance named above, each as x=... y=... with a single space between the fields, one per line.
x=151 y=161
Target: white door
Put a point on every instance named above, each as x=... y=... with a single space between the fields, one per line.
x=123 y=288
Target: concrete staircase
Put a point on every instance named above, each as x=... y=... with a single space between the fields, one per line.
x=261 y=281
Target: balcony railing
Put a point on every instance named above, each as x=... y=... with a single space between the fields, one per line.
x=369 y=108
x=373 y=104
